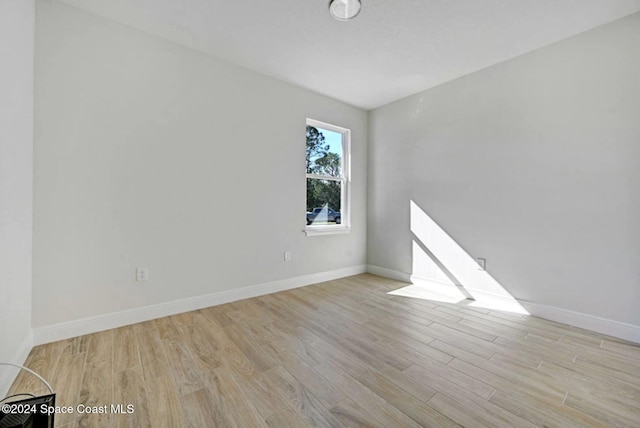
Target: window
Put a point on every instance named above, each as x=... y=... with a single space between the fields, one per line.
x=327 y=163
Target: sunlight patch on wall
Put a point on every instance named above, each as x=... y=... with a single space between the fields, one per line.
x=443 y=269
x=424 y=266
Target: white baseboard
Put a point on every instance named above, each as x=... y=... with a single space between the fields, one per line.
x=8 y=374
x=610 y=327
x=607 y=326
x=65 y=330
x=388 y=273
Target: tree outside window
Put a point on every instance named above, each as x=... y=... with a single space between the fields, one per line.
x=326 y=155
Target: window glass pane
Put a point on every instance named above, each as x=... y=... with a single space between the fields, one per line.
x=323 y=202
x=324 y=152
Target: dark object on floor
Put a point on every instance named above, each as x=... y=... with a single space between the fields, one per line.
x=35 y=412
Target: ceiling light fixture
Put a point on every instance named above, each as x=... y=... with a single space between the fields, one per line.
x=344 y=10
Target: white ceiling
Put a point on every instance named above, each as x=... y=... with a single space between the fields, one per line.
x=393 y=49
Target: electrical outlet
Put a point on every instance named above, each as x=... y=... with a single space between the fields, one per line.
x=142 y=274
x=287 y=256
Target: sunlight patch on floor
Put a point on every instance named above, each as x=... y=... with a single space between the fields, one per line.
x=499 y=304
x=425 y=293
x=444 y=293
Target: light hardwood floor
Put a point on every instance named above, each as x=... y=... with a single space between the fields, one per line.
x=344 y=353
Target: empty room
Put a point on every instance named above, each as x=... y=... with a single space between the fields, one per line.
x=345 y=213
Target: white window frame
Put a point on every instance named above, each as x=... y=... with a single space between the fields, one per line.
x=345 y=180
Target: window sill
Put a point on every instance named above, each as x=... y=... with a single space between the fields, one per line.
x=318 y=231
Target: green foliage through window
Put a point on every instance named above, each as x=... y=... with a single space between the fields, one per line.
x=324 y=160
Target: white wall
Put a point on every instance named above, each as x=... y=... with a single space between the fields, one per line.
x=16 y=194
x=533 y=164
x=151 y=154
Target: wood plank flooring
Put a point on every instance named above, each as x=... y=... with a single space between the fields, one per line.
x=344 y=353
